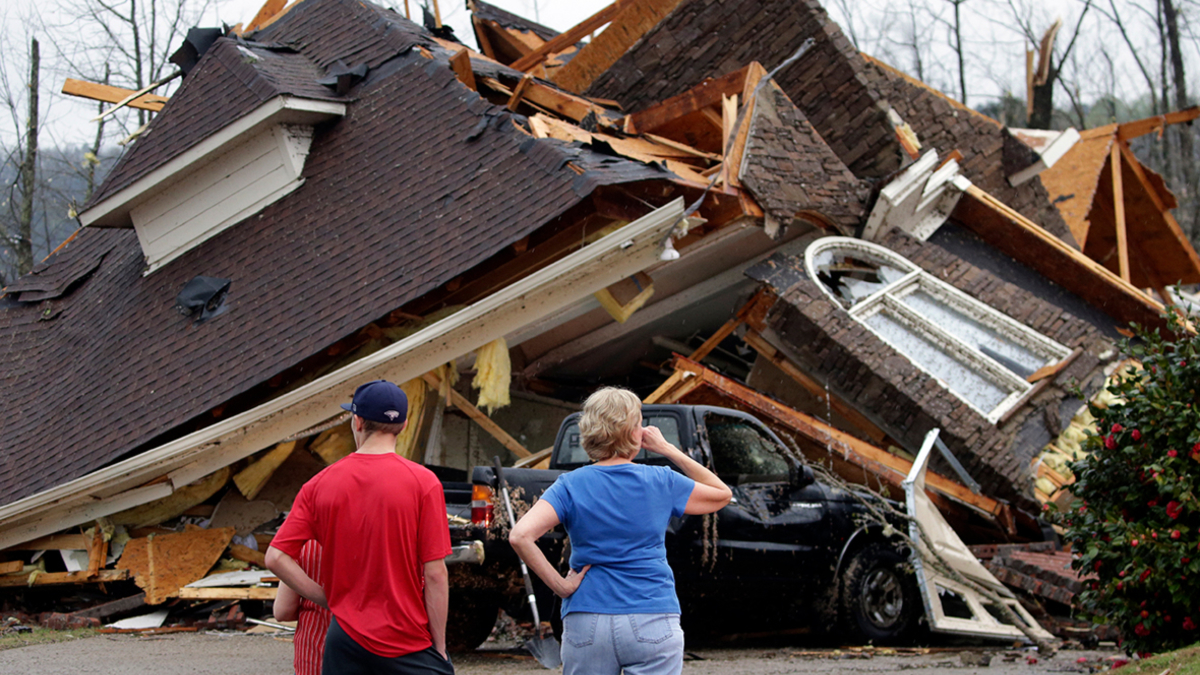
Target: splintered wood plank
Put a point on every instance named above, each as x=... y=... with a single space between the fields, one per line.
x=173 y=504
x=110 y=94
x=515 y=99
x=268 y=10
x=334 y=444
x=461 y=63
x=251 y=479
x=700 y=97
x=481 y=33
x=568 y=39
x=668 y=384
x=56 y=578
x=628 y=25
x=239 y=593
x=247 y=554
x=162 y=564
x=1130 y=130
x=1119 y=209
x=11 y=566
x=469 y=409
x=567 y=105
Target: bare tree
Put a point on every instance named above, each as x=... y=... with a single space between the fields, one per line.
x=22 y=235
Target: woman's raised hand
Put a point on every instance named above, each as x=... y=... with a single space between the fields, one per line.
x=653 y=441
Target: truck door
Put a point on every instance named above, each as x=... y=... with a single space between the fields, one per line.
x=773 y=534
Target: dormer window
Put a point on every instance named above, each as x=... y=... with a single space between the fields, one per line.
x=980 y=354
x=224 y=179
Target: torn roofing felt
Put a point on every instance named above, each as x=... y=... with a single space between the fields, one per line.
x=397 y=201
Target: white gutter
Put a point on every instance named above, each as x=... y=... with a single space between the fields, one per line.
x=125 y=484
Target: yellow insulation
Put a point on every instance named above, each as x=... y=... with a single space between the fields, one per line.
x=406 y=442
x=493 y=375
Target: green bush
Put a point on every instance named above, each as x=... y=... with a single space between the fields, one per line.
x=1135 y=522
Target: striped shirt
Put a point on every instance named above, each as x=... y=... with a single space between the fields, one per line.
x=313 y=619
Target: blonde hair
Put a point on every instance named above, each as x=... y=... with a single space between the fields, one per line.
x=610 y=418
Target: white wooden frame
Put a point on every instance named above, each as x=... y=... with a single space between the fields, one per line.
x=889 y=299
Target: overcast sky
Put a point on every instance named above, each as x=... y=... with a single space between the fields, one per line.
x=885 y=28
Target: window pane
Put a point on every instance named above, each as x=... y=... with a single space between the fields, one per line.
x=742 y=454
x=854 y=276
x=959 y=377
x=1004 y=351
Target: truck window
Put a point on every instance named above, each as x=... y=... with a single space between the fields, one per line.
x=572 y=452
x=742 y=453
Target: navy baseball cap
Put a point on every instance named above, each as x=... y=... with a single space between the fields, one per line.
x=379 y=401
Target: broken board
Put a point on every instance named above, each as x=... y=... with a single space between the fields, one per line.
x=163 y=563
x=243 y=516
x=285 y=483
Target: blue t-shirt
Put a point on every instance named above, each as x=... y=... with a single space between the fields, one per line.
x=617 y=519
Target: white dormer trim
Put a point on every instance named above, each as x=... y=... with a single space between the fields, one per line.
x=919 y=200
x=224 y=179
x=1054 y=145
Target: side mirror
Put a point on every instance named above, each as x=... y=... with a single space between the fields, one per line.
x=800 y=476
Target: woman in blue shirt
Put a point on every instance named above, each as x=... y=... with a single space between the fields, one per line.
x=620 y=611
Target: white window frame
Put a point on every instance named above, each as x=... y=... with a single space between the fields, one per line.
x=889 y=299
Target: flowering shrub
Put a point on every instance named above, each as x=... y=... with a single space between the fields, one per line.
x=1135 y=522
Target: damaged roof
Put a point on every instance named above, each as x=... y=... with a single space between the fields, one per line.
x=421 y=181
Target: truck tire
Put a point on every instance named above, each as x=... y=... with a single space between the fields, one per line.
x=471 y=619
x=879 y=598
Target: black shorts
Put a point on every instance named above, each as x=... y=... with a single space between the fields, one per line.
x=344 y=656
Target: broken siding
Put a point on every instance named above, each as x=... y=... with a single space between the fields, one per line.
x=709 y=38
x=907 y=402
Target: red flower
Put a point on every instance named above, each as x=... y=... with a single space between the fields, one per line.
x=1117 y=428
x=1137 y=435
x=1172 y=453
x=1110 y=442
x=1152 y=503
x=1133 y=543
x=1145 y=614
x=1145 y=574
x=1141 y=629
x=1188 y=624
x=1120 y=585
x=1121 y=573
x=1097 y=566
x=1196 y=448
x=1175 y=534
x=1174 y=508
x=1185 y=560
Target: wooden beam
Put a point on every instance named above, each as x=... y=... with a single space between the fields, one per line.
x=816 y=389
x=568 y=39
x=56 y=578
x=1135 y=166
x=1054 y=369
x=248 y=593
x=729 y=110
x=110 y=94
x=459 y=401
x=715 y=339
x=633 y=21
x=97 y=552
x=71 y=542
x=269 y=9
x=461 y=63
x=567 y=105
x=667 y=385
x=889 y=468
x=700 y=97
x=1114 y=163
x=11 y=566
x=1130 y=130
x=1013 y=234
x=480 y=32
x=250 y=480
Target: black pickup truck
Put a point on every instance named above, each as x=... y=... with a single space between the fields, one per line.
x=788 y=551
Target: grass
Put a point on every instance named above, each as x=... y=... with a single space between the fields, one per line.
x=45 y=636
x=1184 y=661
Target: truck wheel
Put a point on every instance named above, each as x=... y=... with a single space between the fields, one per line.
x=471 y=619
x=879 y=598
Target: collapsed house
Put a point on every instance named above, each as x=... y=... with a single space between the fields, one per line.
x=338 y=194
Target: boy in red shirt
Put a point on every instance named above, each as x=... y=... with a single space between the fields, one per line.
x=312 y=621
x=381 y=523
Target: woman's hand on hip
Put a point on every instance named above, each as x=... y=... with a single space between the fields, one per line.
x=571 y=582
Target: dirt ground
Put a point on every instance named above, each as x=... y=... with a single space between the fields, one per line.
x=221 y=653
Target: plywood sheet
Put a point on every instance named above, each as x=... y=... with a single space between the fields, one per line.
x=163 y=563
x=1073 y=180
x=236 y=512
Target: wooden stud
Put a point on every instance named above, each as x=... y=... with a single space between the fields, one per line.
x=703 y=96
x=269 y=9
x=69 y=542
x=11 y=566
x=461 y=63
x=715 y=339
x=515 y=99
x=97 y=552
x=1119 y=208
x=250 y=480
x=110 y=94
x=480 y=32
x=634 y=20
x=1054 y=368
x=459 y=401
x=568 y=39
x=246 y=593
x=437 y=14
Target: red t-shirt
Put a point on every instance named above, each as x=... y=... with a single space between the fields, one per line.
x=313 y=621
x=379 y=519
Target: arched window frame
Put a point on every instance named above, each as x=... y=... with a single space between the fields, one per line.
x=889 y=300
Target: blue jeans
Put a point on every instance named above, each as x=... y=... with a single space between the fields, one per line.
x=604 y=644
